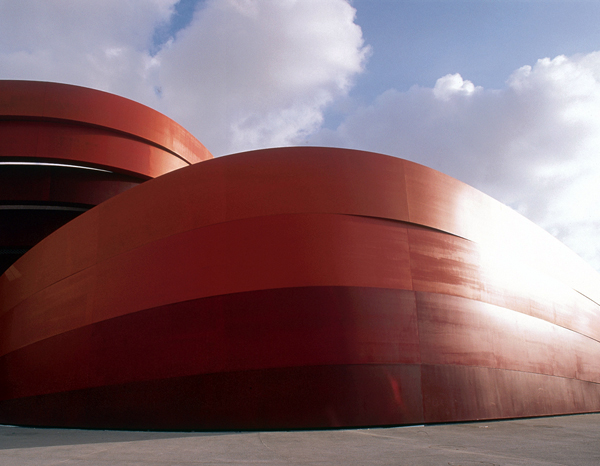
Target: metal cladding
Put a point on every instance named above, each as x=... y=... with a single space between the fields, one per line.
x=297 y=288
x=65 y=149
x=59 y=122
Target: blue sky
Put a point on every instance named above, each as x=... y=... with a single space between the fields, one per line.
x=416 y=42
x=504 y=95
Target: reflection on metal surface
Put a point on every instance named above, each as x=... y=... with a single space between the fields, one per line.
x=297 y=288
x=48 y=164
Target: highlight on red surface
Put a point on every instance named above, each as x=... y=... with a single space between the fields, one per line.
x=297 y=288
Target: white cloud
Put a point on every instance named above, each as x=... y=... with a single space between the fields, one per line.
x=96 y=44
x=534 y=145
x=453 y=85
x=243 y=74
x=255 y=73
x=248 y=74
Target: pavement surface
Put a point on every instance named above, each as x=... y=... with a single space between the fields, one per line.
x=565 y=440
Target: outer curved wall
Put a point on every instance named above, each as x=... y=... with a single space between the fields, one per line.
x=299 y=287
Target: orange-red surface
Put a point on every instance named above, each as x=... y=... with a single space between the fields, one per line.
x=64 y=122
x=300 y=287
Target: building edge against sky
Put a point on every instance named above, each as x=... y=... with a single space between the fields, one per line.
x=296 y=287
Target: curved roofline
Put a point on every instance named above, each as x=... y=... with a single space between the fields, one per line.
x=56 y=102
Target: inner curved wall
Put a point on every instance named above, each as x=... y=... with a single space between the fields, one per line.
x=65 y=149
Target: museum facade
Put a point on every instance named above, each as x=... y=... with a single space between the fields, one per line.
x=148 y=285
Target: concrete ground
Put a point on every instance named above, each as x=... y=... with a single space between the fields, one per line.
x=566 y=440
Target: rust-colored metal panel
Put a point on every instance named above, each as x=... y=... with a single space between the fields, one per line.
x=450 y=265
x=463 y=393
x=251 y=254
x=216 y=192
x=288 y=327
x=441 y=202
x=459 y=331
x=281 y=398
x=438 y=201
x=297 y=287
x=443 y=263
x=84 y=146
x=223 y=192
x=261 y=183
x=45 y=101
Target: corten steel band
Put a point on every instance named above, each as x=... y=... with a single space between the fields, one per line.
x=297 y=288
x=72 y=123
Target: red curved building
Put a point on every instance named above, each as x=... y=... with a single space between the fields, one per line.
x=297 y=288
